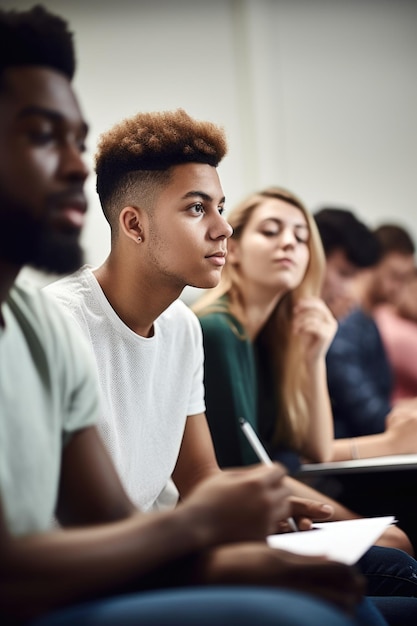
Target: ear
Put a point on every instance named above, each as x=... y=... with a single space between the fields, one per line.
x=233 y=251
x=131 y=223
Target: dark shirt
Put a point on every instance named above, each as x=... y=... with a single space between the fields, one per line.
x=359 y=377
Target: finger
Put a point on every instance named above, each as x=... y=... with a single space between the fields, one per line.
x=310 y=508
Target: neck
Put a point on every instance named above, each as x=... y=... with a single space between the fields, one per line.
x=136 y=299
x=258 y=307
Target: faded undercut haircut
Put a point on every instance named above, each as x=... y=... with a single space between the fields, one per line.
x=135 y=157
x=35 y=37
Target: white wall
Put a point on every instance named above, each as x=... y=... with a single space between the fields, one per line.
x=316 y=95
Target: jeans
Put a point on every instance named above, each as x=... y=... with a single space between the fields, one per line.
x=212 y=606
x=390 y=572
x=392 y=581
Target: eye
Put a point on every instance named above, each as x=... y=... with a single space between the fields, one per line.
x=301 y=239
x=197 y=208
x=221 y=210
x=82 y=147
x=269 y=232
x=41 y=137
x=301 y=236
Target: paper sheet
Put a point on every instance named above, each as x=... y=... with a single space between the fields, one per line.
x=344 y=541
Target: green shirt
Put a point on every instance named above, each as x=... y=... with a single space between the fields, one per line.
x=48 y=390
x=231 y=387
x=240 y=381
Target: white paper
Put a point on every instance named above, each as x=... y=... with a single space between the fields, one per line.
x=344 y=541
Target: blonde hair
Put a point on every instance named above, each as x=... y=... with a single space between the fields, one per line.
x=276 y=336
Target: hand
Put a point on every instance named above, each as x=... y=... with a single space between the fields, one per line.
x=401 y=429
x=314 y=321
x=240 y=505
x=305 y=511
x=258 y=564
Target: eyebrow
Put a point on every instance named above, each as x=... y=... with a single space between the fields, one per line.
x=202 y=195
x=51 y=114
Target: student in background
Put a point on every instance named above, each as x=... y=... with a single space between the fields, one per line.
x=349 y=246
x=360 y=379
x=107 y=560
x=397 y=324
x=359 y=373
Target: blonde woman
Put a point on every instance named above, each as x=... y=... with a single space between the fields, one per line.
x=266 y=334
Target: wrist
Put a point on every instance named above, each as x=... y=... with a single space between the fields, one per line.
x=198 y=521
x=354 y=449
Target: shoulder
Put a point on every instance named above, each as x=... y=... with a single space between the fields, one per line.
x=179 y=324
x=221 y=326
x=40 y=316
x=72 y=288
x=356 y=323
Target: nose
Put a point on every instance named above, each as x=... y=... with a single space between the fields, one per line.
x=287 y=237
x=220 y=228
x=73 y=165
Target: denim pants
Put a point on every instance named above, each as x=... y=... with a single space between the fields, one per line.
x=392 y=581
x=212 y=606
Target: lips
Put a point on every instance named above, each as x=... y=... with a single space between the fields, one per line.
x=218 y=253
x=284 y=261
x=218 y=258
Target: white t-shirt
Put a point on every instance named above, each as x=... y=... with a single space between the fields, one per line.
x=149 y=385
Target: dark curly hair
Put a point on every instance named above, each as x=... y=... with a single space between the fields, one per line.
x=394 y=238
x=138 y=153
x=340 y=228
x=35 y=37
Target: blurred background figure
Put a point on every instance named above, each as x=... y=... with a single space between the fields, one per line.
x=359 y=374
x=397 y=324
x=349 y=246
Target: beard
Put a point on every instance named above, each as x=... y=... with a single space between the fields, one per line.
x=26 y=240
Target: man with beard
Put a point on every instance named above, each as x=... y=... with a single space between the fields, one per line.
x=52 y=462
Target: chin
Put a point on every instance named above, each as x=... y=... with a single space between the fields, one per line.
x=208 y=282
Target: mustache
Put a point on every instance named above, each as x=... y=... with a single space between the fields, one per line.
x=72 y=196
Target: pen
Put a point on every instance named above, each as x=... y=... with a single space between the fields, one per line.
x=262 y=455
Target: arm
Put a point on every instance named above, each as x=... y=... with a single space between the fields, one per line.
x=399 y=437
x=117 y=546
x=196 y=459
x=314 y=322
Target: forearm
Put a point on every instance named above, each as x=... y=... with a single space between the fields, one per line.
x=363 y=447
x=320 y=434
x=49 y=571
